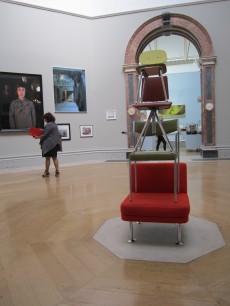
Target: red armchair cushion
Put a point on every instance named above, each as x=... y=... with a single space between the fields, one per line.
x=156 y=207
x=153 y=201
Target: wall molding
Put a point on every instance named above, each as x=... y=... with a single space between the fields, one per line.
x=22 y=161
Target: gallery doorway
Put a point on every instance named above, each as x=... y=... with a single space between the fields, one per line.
x=193 y=31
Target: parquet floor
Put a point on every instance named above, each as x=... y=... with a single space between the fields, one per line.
x=49 y=258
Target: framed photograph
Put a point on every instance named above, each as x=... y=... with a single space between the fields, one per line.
x=86 y=131
x=69 y=90
x=175 y=111
x=64 y=131
x=111 y=115
x=21 y=101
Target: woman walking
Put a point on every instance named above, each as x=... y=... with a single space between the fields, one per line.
x=50 y=142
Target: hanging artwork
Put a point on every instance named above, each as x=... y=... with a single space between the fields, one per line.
x=64 y=131
x=111 y=115
x=175 y=111
x=69 y=90
x=21 y=101
x=86 y=131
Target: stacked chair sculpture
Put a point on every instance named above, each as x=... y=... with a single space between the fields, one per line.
x=158 y=181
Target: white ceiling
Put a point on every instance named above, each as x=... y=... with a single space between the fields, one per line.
x=93 y=8
x=177 y=48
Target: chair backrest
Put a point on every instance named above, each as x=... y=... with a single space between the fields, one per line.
x=158 y=177
x=153 y=57
x=152 y=89
x=169 y=126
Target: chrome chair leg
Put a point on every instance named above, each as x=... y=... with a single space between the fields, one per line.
x=179 y=234
x=131 y=232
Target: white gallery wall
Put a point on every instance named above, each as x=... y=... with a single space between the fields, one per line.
x=34 y=41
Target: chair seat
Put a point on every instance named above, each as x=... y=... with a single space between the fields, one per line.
x=152 y=105
x=169 y=126
x=151 y=69
x=152 y=155
x=155 y=207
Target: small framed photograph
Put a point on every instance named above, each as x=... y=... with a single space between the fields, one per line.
x=111 y=115
x=64 y=131
x=86 y=131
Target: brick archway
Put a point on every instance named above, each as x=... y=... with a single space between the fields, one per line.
x=191 y=29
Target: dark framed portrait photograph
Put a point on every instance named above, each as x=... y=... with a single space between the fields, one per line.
x=86 y=131
x=21 y=101
x=69 y=90
x=64 y=131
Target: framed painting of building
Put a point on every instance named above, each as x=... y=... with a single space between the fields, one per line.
x=69 y=90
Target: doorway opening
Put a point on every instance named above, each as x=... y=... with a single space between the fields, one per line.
x=183 y=72
x=195 y=34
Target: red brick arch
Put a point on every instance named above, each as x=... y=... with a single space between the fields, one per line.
x=191 y=29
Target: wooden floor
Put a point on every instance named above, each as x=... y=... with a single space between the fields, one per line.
x=48 y=255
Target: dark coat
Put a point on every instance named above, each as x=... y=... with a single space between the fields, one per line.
x=50 y=138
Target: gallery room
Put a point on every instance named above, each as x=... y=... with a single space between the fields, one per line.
x=67 y=239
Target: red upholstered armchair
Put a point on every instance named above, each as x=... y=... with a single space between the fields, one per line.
x=153 y=196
